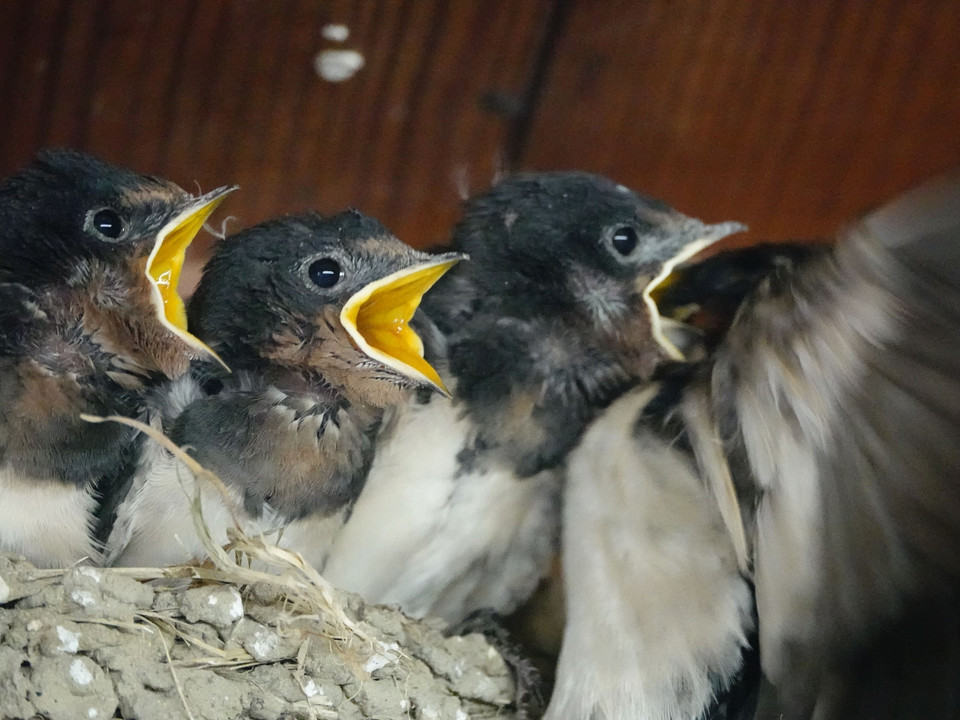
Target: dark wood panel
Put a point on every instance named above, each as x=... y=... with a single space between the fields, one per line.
x=213 y=91
x=791 y=116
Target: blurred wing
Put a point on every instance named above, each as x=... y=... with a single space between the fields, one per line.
x=706 y=294
x=844 y=378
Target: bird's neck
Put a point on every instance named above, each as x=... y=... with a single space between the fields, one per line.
x=327 y=359
x=531 y=388
x=115 y=328
x=312 y=390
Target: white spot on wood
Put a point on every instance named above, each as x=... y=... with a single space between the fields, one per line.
x=79 y=672
x=338 y=65
x=334 y=32
x=69 y=641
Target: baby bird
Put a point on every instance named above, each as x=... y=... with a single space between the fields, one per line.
x=817 y=454
x=312 y=315
x=90 y=320
x=548 y=322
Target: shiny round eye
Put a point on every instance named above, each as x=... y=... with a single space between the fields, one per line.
x=325 y=272
x=108 y=223
x=624 y=239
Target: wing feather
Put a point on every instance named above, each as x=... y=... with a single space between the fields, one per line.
x=845 y=381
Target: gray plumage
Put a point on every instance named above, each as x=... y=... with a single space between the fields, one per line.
x=543 y=327
x=81 y=331
x=832 y=407
x=291 y=429
x=841 y=384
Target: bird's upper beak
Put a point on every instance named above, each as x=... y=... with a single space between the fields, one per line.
x=698 y=237
x=166 y=262
x=378 y=318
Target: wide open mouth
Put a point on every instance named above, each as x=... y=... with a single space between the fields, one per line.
x=378 y=319
x=165 y=264
x=661 y=326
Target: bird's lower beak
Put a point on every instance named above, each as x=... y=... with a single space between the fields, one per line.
x=166 y=262
x=664 y=330
x=378 y=319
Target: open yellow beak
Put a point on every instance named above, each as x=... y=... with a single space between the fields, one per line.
x=378 y=319
x=661 y=327
x=165 y=264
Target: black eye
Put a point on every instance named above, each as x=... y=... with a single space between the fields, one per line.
x=107 y=223
x=624 y=239
x=325 y=272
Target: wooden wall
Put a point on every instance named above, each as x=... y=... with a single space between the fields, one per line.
x=790 y=115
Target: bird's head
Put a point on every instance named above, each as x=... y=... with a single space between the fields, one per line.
x=72 y=226
x=330 y=297
x=576 y=249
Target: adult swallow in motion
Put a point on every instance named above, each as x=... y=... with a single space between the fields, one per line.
x=312 y=315
x=545 y=325
x=823 y=440
x=90 y=255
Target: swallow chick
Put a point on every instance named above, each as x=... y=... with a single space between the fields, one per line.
x=660 y=608
x=547 y=324
x=90 y=319
x=312 y=315
x=815 y=452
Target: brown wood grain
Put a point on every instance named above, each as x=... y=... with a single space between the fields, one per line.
x=791 y=116
x=212 y=91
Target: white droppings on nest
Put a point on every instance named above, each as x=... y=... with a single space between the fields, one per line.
x=389 y=652
x=236 y=607
x=69 y=641
x=4 y=590
x=461 y=715
x=92 y=713
x=338 y=65
x=334 y=32
x=34 y=625
x=83 y=598
x=80 y=673
x=264 y=644
x=90 y=572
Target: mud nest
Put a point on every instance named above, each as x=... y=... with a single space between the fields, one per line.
x=225 y=640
